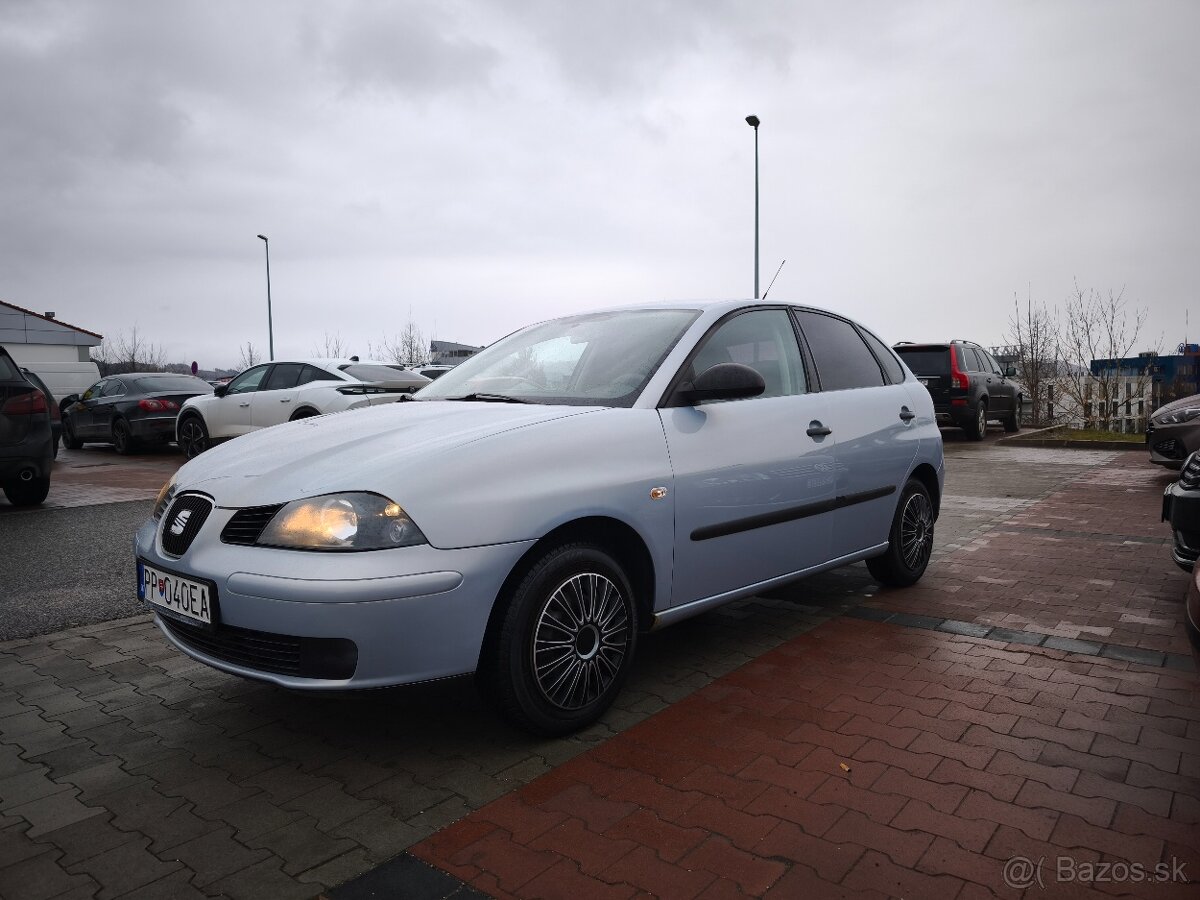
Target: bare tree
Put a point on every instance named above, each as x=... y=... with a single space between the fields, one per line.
x=1034 y=333
x=1100 y=329
x=334 y=347
x=128 y=352
x=249 y=356
x=408 y=348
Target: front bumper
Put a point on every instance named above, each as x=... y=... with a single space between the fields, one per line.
x=1181 y=508
x=412 y=614
x=1170 y=445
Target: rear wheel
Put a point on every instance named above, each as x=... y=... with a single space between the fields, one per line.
x=122 y=437
x=1012 y=422
x=910 y=541
x=565 y=642
x=193 y=437
x=978 y=427
x=27 y=493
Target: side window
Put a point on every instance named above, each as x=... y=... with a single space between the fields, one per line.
x=973 y=362
x=891 y=366
x=312 y=373
x=283 y=375
x=765 y=341
x=93 y=392
x=248 y=381
x=843 y=360
x=992 y=364
x=113 y=388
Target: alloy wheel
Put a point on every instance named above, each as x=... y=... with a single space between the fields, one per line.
x=580 y=640
x=916 y=531
x=193 y=438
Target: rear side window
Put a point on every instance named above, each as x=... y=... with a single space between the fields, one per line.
x=284 y=375
x=970 y=359
x=926 y=362
x=313 y=373
x=113 y=388
x=891 y=366
x=843 y=360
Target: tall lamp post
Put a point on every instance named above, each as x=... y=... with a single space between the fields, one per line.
x=752 y=121
x=270 y=327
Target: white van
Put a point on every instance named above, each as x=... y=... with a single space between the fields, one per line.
x=58 y=366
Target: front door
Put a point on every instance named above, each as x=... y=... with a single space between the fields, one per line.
x=229 y=415
x=274 y=401
x=752 y=485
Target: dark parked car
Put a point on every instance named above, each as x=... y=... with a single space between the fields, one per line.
x=1174 y=431
x=51 y=405
x=26 y=451
x=969 y=387
x=1181 y=507
x=128 y=410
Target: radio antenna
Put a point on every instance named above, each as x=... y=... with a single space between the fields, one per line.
x=777 y=271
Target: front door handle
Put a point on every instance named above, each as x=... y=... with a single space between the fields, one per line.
x=285 y=399
x=816 y=429
x=907 y=414
x=244 y=405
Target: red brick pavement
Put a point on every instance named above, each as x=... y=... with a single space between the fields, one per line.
x=867 y=759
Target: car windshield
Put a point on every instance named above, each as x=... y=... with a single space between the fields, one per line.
x=599 y=359
x=157 y=383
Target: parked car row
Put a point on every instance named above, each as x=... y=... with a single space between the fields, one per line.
x=148 y=408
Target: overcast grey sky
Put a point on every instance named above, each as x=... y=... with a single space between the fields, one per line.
x=488 y=164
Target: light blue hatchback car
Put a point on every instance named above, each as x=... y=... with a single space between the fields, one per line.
x=529 y=513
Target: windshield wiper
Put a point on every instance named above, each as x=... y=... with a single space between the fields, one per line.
x=489 y=398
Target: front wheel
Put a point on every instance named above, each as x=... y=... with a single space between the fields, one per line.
x=910 y=540
x=27 y=493
x=565 y=642
x=193 y=437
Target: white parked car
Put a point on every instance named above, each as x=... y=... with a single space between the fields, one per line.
x=284 y=391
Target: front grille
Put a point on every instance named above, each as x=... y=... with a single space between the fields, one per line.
x=334 y=659
x=1171 y=449
x=247 y=524
x=183 y=521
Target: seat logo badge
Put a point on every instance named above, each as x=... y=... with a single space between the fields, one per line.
x=181 y=521
x=658 y=493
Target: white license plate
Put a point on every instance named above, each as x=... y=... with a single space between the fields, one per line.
x=175 y=594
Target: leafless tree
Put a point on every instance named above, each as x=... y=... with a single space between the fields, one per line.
x=1034 y=333
x=334 y=347
x=1100 y=328
x=249 y=356
x=129 y=352
x=408 y=348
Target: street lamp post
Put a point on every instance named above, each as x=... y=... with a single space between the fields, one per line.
x=270 y=327
x=752 y=121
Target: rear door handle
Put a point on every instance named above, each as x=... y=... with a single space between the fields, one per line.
x=285 y=399
x=244 y=405
x=907 y=414
x=816 y=429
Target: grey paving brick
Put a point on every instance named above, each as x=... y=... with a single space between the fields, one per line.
x=33 y=784
x=79 y=720
x=11 y=761
x=61 y=701
x=301 y=845
x=1133 y=654
x=135 y=806
x=215 y=855
x=40 y=878
x=342 y=868
x=171 y=771
x=1013 y=636
x=141 y=751
x=21 y=724
x=176 y=886
x=211 y=791
x=239 y=760
x=55 y=811
x=14 y=674
x=355 y=773
x=381 y=833
x=180 y=825
x=98 y=779
x=286 y=782
x=971 y=629
x=1071 y=645
x=124 y=868
x=254 y=816
x=145 y=713
x=331 y=805
x=405 y=797
x=84 y=839
x=54 y=737
x=264 y=879
x=15 y=846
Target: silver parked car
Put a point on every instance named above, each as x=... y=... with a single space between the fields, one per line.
x=527 y=515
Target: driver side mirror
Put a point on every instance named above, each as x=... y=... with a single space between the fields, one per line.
x=221 y=390
x=68 y=400
x=1010 y=371
x=724 y=381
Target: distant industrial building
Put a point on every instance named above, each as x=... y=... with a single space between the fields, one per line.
x=446 y=353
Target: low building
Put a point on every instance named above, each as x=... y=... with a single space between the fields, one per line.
x=446 y=353
x=60 y=354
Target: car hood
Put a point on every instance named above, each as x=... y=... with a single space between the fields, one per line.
x=1193 y=400
x=353 y=450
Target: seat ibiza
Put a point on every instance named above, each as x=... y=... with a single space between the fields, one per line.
x=530 y=513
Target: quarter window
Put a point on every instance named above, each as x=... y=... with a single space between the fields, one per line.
x=113 y=388
x=312 y=373
x=843 y=360
x=887 y=359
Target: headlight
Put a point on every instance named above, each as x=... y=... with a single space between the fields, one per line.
x=1177 y=416
x=166 y=494
x=1189 y=478
x=356 y=521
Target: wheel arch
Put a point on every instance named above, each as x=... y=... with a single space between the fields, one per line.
x=612 y=535
x=304 y=412
x=927 y=475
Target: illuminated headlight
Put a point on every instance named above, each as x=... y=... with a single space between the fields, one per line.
x=166 y=494
x=1189 y=478
x=356 y=521
x=1177 y=416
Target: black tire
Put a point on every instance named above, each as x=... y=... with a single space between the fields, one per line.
x=577 y=603
x=977 y=428
x=122 y=438
x=303 y=414
x=27 y=493
x=54 y=448
x=68 y=436
x=910 y=539
x=1012 y=422
x=193 y=436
